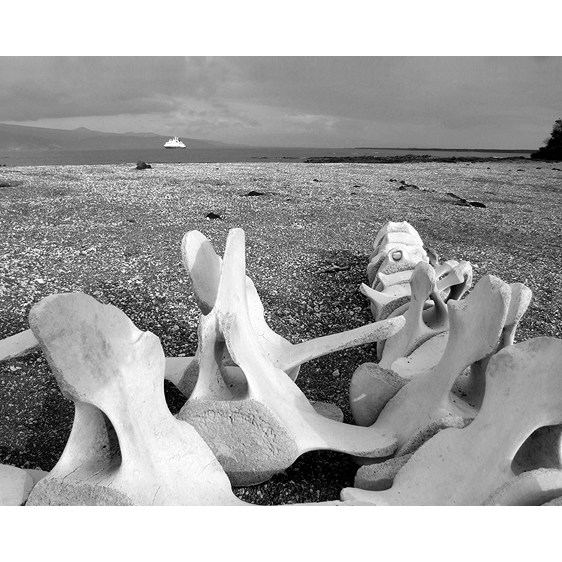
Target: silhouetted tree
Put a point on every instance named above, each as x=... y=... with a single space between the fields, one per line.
x=553 y=145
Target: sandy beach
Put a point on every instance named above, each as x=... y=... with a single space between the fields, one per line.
x=114 y=232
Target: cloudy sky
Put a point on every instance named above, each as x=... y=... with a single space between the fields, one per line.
x=403 y=101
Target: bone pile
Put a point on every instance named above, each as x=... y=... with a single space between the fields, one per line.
x=450 y=412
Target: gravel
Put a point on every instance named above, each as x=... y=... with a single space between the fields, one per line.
x=114 y=232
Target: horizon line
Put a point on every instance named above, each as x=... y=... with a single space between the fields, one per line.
x=245 y=144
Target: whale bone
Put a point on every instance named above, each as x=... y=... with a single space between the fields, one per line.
x=473 y=465
x=125 y=447
x=475 y=324
x=258 y=428
x=199 y=254
x=421 y=324
x=472 y=385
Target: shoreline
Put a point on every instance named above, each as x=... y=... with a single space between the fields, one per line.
x=411 y=158
x=20 y=158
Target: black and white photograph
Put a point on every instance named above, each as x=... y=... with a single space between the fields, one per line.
x=280 y=279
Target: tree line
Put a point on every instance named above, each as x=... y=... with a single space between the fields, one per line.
x=552 y=149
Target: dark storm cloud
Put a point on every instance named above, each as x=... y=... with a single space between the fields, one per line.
x=351 y=87
x=446 y=89
x=50 y=87
x=465 y=101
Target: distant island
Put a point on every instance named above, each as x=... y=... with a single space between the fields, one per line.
x=20 y=137
x=520 y=151
x=413 y=158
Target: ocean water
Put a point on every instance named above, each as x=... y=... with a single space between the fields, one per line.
x=223 y=154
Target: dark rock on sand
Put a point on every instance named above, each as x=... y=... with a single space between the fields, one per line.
x=212 y=216
x=404 y=185
x=464 y=203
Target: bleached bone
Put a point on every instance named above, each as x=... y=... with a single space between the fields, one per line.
x=177 y=368
x=391 y=227
x=125 y=447
x=397 y=249
x=432 y=255
x=521 y=297
x=390 y=295
x=186 y=379
x=458 y=281
x=382 y=304
x=18 y=345
x=402 y=253
x=394 y=257
x=421 y=325
x=36 y=474
x=451 y=274
x=403 y=306
x=543 y=449
x=392 y=238
x=288 y=357
x=465 y=466
x=400 y=310
x=376 y=477
x=475 y=324
x=424 y=357
x=381 y=476
x=328 y=410
x=370 y=389
x=473 y=385
x=384 y=281
x=445 y=267
x=453 y=279
x=198 y=253
x=536 y=487
x=15 y=485
x=258 y=428
x=372 y=386
x=428 y=354
x=204 y=268
x=469 y=385
x=406 y=362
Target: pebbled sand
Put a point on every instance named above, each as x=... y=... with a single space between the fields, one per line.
x=114 y=232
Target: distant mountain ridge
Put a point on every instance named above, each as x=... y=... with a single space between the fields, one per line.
x=20 y=137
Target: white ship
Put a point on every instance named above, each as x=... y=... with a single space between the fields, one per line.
x=174 y=143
